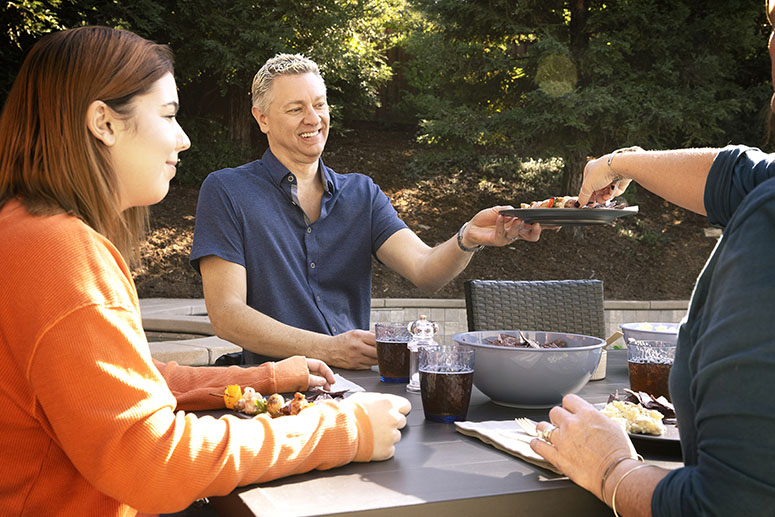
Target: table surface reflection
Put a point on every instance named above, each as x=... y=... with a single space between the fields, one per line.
x=436 y=469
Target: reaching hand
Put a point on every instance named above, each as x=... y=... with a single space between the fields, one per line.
x=601 y=183
x=353 y=350
x=386 y=415
x=320 y=374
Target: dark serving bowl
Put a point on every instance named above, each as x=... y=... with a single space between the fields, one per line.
x=531 y=377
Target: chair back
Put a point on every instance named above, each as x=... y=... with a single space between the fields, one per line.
x=572 y=306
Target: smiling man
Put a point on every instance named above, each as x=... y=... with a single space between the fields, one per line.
x=284 y=243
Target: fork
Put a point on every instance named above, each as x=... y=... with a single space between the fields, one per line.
x=527 y=426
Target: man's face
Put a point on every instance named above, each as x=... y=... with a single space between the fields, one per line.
x=296 y=122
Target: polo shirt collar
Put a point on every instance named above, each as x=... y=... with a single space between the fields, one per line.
x=279 y=172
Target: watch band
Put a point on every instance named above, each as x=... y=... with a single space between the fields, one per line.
x=460 y=241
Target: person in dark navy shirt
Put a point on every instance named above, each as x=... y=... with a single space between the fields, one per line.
x=721 y=379
x=284 y=243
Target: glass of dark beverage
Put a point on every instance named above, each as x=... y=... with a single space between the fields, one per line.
x=392 y=352
x=446 y=378
x=649 y=365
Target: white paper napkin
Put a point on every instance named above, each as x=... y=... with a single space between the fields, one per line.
x=507 y=436
x=341 y=384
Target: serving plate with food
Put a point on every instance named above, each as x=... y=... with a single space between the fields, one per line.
x=562 y=211
x=248 y=403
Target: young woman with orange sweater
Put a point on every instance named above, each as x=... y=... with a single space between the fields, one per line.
x=90 y=424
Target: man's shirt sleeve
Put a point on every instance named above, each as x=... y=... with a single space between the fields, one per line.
x=218 y=229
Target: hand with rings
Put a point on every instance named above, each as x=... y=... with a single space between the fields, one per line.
x=585 y=445
x=546 y=433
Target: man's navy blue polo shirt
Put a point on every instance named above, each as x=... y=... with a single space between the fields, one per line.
x=312 y=276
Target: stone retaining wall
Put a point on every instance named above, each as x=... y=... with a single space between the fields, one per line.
x=450 y=314
x=190 y=316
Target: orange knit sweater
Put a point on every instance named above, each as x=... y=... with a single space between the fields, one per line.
x=90 y=424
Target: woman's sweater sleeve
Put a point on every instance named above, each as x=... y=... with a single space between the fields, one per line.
x=193 y=386
x=97 y=389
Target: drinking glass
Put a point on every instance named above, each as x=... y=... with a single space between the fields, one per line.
x=392 y=352
x=446 y=378
x=649 y=364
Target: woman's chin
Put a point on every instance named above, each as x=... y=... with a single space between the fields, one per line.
x=158 y=195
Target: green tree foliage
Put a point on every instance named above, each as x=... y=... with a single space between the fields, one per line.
x=565 y=79
x=219 y=45
x=22 y=22
x=491 y=83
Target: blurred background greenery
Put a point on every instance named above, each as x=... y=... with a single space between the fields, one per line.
x=518 y=90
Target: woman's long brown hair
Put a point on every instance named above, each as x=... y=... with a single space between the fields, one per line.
x=49 y=159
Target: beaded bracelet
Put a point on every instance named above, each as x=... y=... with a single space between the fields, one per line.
x=622 y=150
x=613 y=497
x=611 y=468
x=460 y=240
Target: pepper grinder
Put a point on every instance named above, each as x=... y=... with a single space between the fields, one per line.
x=422 y=332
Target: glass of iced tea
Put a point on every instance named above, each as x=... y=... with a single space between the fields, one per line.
x=392 y=352
x=446 y=378
x=649 y=365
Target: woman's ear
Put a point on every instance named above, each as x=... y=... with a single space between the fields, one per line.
x=101 y=122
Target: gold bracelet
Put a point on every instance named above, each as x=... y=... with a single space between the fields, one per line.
x=622 y=150
x=611 y=468
x=613 y=497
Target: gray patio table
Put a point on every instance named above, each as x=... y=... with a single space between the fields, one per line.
x=438 y=471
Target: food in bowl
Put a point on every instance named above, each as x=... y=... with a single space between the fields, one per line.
x=531 y=377
x=525 y=342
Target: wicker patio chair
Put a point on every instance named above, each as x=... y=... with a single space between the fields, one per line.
x=572 y=306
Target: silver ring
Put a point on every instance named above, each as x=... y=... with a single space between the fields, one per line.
x=546 y=434
x=512 y=239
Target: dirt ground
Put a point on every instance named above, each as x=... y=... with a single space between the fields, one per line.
x=655 y=255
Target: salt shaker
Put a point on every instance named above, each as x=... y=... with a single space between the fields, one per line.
x=422 y=332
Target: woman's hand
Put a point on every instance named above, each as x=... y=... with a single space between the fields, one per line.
x=601 y=182
x=386 y=414
x=584 y=443
x=320 y=374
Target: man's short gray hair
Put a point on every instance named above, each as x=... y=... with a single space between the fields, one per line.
x=281 y=64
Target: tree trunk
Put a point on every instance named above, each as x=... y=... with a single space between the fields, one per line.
x=573 y=173
x=240 y=119
x=579 y=41
x=571 y=183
